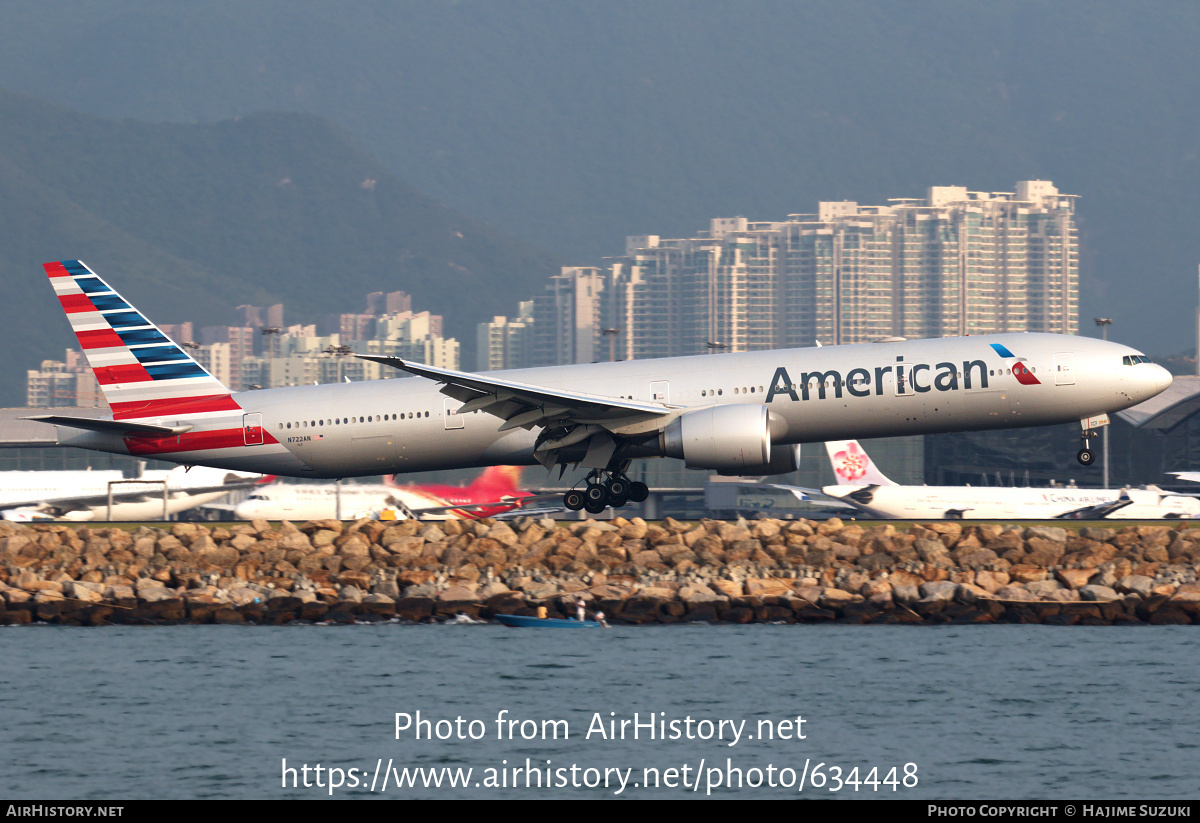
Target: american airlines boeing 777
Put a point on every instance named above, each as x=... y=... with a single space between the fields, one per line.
x=738 y=413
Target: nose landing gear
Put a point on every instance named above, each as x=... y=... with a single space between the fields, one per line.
x=603 y=489
x=1086 y=456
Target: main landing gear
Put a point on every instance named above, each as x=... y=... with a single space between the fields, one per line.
x=1086 y=456
x=604 y=489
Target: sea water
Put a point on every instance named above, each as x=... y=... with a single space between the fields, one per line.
x=392 y=710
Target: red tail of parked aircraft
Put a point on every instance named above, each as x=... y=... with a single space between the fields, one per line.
x=494 y=492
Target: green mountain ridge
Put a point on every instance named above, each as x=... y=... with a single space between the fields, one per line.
x=190 y=220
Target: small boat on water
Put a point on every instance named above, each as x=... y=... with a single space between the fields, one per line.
x=528 y=621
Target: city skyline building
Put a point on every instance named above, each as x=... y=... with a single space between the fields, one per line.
x=569 y=318
x=956 y=262
x=506 y=344
x=63 y=383
x=249 y=357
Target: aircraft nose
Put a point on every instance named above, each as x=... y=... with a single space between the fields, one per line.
x=1153 y=381
x=1163 y=379
x=1144 y=380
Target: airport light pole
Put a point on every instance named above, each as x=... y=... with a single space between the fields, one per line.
x=1104 y=323
x=272 y=334
x=611 y=334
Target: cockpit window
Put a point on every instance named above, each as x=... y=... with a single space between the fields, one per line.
x=1133 y=359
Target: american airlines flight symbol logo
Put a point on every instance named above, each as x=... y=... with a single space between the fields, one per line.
x=1019 y=369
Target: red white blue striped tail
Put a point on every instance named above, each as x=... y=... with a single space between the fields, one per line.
x=140 y=370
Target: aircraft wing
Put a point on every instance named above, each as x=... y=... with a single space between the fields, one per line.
x=518 y=504
x=804 y=493
x=514 y=402
x=1162 y=493
x=149 y=492
x=570 y=418
x=799 y=492
x=540 y=512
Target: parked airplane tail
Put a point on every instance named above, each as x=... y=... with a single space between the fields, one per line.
x=499 y=480
x=495 y=481
x=141 y=371
x=853 y=466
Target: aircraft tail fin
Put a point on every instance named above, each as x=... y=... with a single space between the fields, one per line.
x=498 y=480
x=141 y=371
x=853 y=466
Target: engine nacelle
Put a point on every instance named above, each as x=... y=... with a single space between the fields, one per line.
x=784 y=460
x=734 y=439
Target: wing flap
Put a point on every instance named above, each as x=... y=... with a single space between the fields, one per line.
x=488 y=393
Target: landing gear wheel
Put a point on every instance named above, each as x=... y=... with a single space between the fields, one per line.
x=617 y=492
x=638 y=491
x=596 y=495
x=574 y=500
x=595 y=506
x=1086 y=457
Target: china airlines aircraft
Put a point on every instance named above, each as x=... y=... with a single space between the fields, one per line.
x=864 y=486
x=738 y=413
x=493 y=493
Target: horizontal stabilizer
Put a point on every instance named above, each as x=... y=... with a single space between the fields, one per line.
x=111 y=426
x=1097 y=512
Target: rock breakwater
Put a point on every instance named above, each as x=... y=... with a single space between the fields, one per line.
x=636 y=572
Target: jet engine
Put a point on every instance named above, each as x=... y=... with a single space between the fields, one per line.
x=784 y=460
x=734 y=439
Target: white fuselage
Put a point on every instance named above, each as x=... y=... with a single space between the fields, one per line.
x=17 y=488
x=82 y=495
x=814 y=394
x=999 y=503
x=316 y=501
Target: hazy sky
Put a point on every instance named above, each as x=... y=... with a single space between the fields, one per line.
x=572 y=124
